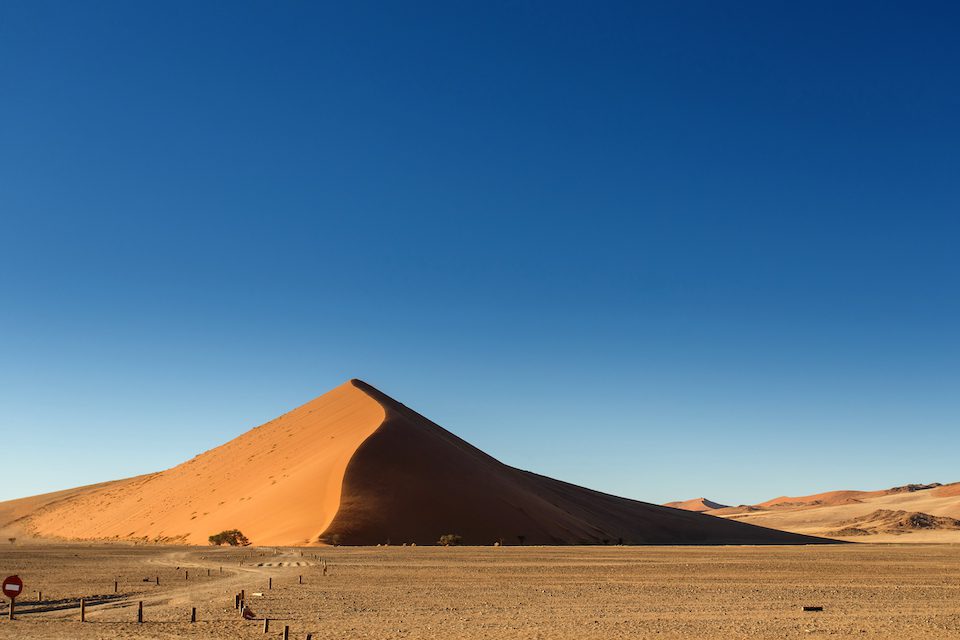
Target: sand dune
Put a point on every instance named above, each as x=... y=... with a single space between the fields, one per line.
x=896 y=522
x=356 y=467
x=696 y=504
x=818 y=499
x=909 y=513
x=279 y=482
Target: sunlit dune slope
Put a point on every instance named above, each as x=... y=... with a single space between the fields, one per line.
x=278 y=483
x=356 y=467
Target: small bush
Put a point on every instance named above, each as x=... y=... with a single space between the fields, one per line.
x=450 y=540
x=333 y=540
x=232 y=537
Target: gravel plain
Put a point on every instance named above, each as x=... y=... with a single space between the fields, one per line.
x=866 y=591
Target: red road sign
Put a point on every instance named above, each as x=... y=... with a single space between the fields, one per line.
x=12 y=587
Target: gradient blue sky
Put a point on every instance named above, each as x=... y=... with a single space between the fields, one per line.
x=659 y=249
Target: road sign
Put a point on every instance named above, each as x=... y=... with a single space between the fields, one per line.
x=12 y=587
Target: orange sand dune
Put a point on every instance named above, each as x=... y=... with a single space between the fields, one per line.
x=922 y=514
x=356 y=467
x=696 y=504
x=827 y=498
x=947 y=490
x=279 y=482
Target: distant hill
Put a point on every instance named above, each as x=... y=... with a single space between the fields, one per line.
x=696 y=504
x=907 y=513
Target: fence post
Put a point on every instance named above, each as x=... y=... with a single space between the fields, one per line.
x=83 y=610
x=140 y=612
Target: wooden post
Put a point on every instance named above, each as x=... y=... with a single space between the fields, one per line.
x=158 y=581
x=39 y=596
x=269 y=583
x=299 y=579
x=243 y=595
x=186 y=574
x=83 y=610
x=140 y=612
x=266 y=625
x=193 y=614
x=115 y=585
x=286 y=632
x=221 y=570
x=208 y=573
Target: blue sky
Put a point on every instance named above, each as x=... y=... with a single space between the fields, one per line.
x=659 y=249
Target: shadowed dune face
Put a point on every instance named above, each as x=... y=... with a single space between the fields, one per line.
x=356 y=467
x=413 y=481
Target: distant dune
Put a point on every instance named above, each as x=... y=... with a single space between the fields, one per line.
x=696 y=504
x=908 y=513
x=357 y=467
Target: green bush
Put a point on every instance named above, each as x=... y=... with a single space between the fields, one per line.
x=450 y=540
x=232 y=537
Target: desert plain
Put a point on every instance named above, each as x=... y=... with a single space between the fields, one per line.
x=428 y=592
x=344 y=499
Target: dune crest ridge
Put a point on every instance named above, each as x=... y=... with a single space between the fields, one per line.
x=356 y=467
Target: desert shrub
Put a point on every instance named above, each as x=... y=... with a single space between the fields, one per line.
x=334 y=540
x=450 y=540
x=232 y=537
